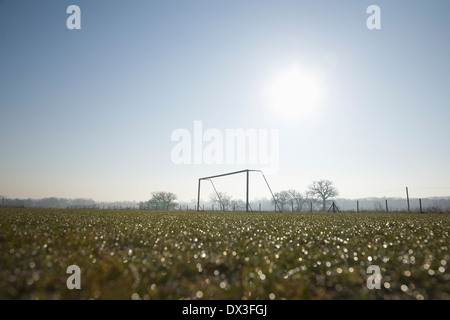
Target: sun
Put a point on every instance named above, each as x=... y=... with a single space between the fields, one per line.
x=294 y=92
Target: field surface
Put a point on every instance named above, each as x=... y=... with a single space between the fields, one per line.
x=189 y=255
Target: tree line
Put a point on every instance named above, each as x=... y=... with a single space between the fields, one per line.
x=63 y=203
x=318 y=197
x=319 y=193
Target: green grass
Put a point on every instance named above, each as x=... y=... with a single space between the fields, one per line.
x=187 y=255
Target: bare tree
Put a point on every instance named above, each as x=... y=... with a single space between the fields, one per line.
x=297 y=199
x=223 y=200
x=322 y=190
x=160 y=200
x=282 y=199
x=238 y=205
x=143 y=205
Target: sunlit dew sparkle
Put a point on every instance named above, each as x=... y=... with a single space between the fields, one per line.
x=135 y=296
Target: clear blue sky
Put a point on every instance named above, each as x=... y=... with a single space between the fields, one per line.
x=90 y=112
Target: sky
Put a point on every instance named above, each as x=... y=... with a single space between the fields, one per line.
x=142 y=97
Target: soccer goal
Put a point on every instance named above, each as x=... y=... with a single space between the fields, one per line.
x=247 y=173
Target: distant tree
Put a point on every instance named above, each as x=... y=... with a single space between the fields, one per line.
x=297 y=199
x=223 y=200
x=378 y=206
x=143 y=205
x=322 y=190
x=160 y=200
x=282 y=199
x=238 y=205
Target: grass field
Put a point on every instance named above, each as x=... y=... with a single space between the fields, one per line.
x=188 y=255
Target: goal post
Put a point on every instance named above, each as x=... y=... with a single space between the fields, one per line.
x=247 y=172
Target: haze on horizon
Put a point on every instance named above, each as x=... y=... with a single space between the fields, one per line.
x=90 y=113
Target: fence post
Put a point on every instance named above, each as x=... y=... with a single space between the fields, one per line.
x=420 y=205
x=311 y=206
x=357 y=206
x=407 y=199
x=387 y=209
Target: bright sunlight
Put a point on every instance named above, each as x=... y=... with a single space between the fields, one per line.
x=294 y=92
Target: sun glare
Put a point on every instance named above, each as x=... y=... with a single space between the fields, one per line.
x=294 y=92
